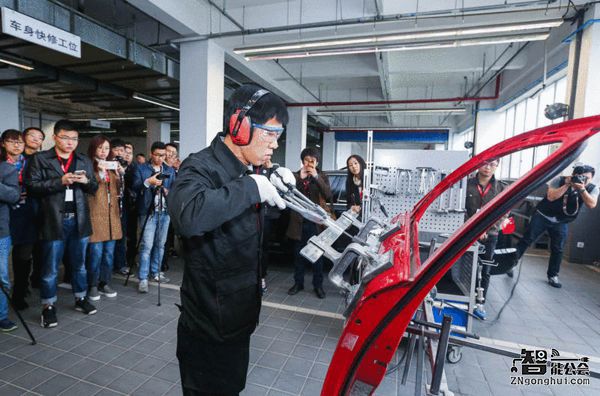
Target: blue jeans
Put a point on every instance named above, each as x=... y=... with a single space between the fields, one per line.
x=308 y=230
x=152 y=247
x=558 y=236
x=100 y=262
x=4 y=252
x=52 y=253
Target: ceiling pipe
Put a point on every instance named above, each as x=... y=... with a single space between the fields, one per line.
x=404 y=101
x=226 y=14
x=537 y=5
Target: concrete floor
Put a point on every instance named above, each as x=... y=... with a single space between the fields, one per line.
x=128 y=347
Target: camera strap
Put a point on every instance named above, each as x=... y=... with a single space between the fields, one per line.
x=565 y=202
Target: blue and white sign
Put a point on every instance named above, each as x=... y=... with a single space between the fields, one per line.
x=29 y=29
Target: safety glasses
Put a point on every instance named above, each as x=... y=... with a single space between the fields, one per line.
x=270 y=132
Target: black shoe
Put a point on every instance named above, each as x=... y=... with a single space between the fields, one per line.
x=49 y=317
x=83 y=305
x=320 y=292
x=510 y=273
x=295 y=289
x=553 y=281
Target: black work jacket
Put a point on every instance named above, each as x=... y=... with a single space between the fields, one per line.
x=43 y=180
x=213 y=206
x=477 y=199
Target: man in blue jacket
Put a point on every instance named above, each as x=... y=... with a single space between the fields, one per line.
x=152 y=182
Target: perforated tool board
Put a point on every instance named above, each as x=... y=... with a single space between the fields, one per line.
x=398 y=192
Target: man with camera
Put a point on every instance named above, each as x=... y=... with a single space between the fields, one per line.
x=560 y=206
x=62 y=179
x=216 y=206
x=152 y=182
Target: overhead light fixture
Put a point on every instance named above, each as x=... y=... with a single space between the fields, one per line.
x=401 y=47
x=16 y=62
x=108 y=119
x=307 y=46
x=120 y=118
x=102 y=131
x=155 y=101
x=380 y=110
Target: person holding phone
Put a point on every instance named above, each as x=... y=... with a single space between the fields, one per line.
x=105 y=217
x=59 y=178
x=152 y=182
x=313 y=183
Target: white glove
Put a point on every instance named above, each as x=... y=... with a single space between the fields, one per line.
x=281 y=177
x=267 y=191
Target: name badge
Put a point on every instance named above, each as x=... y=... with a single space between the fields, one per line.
x=68 y=195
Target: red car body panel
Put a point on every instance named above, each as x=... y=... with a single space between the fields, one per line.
x=375 y=327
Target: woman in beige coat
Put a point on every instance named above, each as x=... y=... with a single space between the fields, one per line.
x=105 y=218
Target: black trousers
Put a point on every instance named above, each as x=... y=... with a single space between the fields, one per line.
x=490 y=245
x=210 y=368
x=22 y=263
x=132 y=237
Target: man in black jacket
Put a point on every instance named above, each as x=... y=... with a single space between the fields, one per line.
x=481 y=189
x=215 y=206
x=61 y=179
x=561 y=205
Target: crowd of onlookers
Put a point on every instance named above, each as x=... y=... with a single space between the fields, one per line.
x=105 y=212
x=84 y=210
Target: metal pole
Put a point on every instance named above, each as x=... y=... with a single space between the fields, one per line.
x=366 y=202
x=440 y=356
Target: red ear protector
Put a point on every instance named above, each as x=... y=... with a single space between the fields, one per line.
x=240 y=125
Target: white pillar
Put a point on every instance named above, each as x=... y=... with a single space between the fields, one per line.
x=329 y=151
x=295 y=139
x=202 y=87
x=587 y=101
x=9 y=109
x=157 y=132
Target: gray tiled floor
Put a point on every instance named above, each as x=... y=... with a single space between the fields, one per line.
x=128 y=347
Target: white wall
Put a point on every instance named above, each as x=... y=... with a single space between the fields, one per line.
x=9 y=109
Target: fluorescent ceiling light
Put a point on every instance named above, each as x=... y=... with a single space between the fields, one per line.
x=402 y=47
x=16 y=62
x=155 y=101
x=107 y=119
x=380 y=110
x=120 y=118
x=103 y=131
x=403 y=36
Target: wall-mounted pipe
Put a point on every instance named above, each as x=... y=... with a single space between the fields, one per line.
x=404 y=101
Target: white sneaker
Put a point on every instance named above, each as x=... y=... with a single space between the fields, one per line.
x=163 y=278
x=143 y=286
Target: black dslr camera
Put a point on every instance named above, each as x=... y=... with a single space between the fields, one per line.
x=121 y=161
x=162 y=176
x=580 y=179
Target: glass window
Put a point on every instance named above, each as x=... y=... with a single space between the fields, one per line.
x=546 y=98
